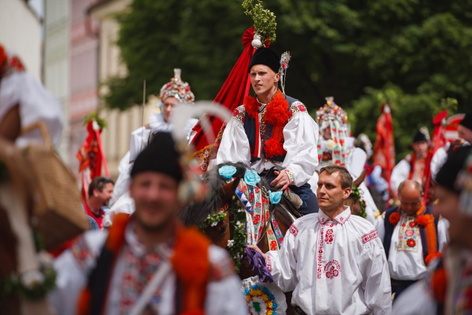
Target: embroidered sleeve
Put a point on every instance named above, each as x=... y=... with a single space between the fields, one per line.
x=297 y=107
x=82 y=252
x=293 y=230
x=221 y=268
x=239 y=113
x=369 y=236
x=290 y=176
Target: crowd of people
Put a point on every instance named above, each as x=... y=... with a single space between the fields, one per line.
x=412 y=257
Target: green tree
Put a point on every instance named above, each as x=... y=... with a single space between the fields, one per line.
x=353 y=50
x=157 y=36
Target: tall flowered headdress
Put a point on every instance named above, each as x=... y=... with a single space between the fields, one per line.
x=178 y=89
x=334 y=117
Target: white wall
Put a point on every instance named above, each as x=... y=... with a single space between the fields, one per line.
x=20 y=32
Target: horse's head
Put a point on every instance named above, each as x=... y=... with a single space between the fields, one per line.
x=212 y=214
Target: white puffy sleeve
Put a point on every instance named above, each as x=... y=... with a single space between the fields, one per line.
x=301 y=137
x=72 y=268
x=399 y=173
x=234 y=146
x=443 y=226
x=35 y=104
x=379 y=226
x=376 y=277
x=224 y=295
x=416 y=300
x=282 y=264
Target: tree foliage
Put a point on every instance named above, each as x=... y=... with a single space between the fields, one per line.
x=410 y=53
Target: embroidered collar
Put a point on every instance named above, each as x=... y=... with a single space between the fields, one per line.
x=139 y=250
x=340 y=218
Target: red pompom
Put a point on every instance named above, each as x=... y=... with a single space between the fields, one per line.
x=394 y=218
x=423 y=220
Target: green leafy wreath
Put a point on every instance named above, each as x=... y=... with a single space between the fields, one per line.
x=263 y=19
x=357 y=195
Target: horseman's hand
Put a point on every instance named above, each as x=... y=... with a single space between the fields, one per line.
x=257 y=249
x=281 y=182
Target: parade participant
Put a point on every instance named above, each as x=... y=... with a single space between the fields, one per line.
x=148 y=263
x=336 y=147
x=100 y=191
x=20 y=94
x=173 y=92
x=332 y=260
x=464 y=133
x=415 y=165
x=273 y=130
x=446 y=288
x=411 y=236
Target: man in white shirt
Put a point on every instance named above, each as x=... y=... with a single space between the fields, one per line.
x=411 y=235
x=273 y=130
x=148 y=263
x=414 y=165
x=333 y=261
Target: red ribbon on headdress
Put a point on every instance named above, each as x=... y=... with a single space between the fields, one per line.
x=231 y=94
x=384 y=147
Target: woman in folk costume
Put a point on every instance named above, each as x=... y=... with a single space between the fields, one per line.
x=336 y=147
x=273 y=132
x=171 y=94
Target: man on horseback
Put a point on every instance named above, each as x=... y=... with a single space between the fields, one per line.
x=148 y=263
x=273 y=133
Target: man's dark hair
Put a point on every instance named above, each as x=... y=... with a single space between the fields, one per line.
x=99 y=183
x=346 y=178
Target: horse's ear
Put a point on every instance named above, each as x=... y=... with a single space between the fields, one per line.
x=360 y=179
x=229 y=188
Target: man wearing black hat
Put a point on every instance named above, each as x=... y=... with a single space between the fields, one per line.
x=273 y=131
x=148 y=263
x=414 y=165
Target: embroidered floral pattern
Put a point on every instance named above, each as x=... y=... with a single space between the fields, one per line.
x=294 y=230
x=319 y=254
x=138 y=272
x=329 y=236
x=408 y=234
x=297 y=107
x=239 y=113
x=332 y=269
x=81 y=252
x=370 y=236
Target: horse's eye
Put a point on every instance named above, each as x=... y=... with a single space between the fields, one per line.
x=223 y=229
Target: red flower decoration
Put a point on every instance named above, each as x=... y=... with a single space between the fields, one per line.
x=394 y=218
x=411 y=242
x=412 y=224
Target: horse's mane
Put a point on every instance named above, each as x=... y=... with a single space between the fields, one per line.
x=195 y=213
